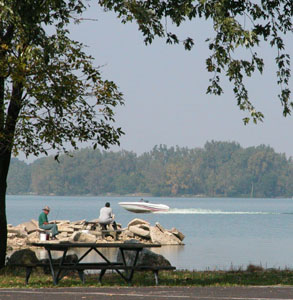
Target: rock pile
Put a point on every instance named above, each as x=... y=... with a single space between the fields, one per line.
x=22 y=235
x=142 y=230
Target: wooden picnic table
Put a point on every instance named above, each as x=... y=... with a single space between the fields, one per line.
x=58 y=271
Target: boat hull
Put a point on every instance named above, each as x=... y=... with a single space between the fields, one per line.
x=143 y=207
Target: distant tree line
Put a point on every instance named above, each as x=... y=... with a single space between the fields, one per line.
x=220 y=169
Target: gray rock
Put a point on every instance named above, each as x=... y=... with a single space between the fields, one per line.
x=18 y=231
x=30 y=226
x=146 y=257
x=83 y=237
x=160 y=227
x=142 y=230
x=163 y=238
x=16 y=243
x=34 y=237
x=24 y=256
x=77 y=227
x=137 y=221
x=65 y=228
x=19 y=236
x=126 y=234
x=35 y=222
x=61 y=222
x=95 y=220
x=80 y=222
x=70 y=258
x=178 y=234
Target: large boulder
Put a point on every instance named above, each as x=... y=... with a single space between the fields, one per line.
x=79 y=222
x=63 y=237
x=62 y=222
x=65 y=228
x=83 y=237
x=19 y=231
x=142 y=230
x=160 y=227
x=137 y=221
x=95 y=220
x=77 y=227
x=174 y=231
x=163 y=238
x=178 y=234
x=24 y=256
x=146 y=257
x=70 y=259
x=126 y=234
x=16 y=243
x=34 y=237
x=35 y=222
x=30 y=226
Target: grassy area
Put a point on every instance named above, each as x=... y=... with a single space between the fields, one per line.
x=252 y=276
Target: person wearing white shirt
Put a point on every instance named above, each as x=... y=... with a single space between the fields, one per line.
x=107 y=217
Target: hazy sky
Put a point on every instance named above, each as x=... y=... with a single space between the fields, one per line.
x=164 y=89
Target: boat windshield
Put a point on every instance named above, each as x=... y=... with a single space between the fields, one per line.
x=142 y=200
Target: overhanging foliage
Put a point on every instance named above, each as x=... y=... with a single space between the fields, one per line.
x=237 y=24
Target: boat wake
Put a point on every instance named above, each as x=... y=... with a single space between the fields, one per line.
x=199 y=211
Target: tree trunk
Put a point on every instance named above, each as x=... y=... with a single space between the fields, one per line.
x=5 y=156
x=6 y=143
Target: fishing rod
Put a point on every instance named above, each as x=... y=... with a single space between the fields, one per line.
x=57 y=214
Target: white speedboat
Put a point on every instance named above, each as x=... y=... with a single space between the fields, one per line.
x=143 y=207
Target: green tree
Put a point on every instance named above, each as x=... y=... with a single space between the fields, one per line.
x=266 y=169
x=19 y=177
x=51 y=95
x=153 y=170
x=240 y=30
x=177 y=177
x=48 y=177
x=220 y=169
x=126 y=179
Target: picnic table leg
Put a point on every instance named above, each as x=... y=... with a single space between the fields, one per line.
x=124 y=260
x=58 y=276
x=81 y=275
x=129 y=278
x=156 y=273
x=28 y=274
x=85 y=254
x=102 y=273
x=134 y=264
x=109 y=264
x=55 y=282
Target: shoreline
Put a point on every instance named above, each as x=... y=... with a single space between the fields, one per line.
x=144 y=195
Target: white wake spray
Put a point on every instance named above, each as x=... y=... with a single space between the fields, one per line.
x=199 y=211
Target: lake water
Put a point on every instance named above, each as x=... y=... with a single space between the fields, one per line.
x=221 y=233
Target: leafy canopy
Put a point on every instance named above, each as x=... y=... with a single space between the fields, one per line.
x=51 y=94
x=237 y=24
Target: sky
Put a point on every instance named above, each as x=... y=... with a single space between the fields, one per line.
x=164 y=88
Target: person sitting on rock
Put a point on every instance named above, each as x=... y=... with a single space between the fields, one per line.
x=44 y=223
x=107 y=217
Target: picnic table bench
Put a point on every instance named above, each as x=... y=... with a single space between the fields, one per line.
x=126 y=271
x=93 y=225
x=80 y=268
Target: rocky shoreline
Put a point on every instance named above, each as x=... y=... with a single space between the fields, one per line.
x=22 y=235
